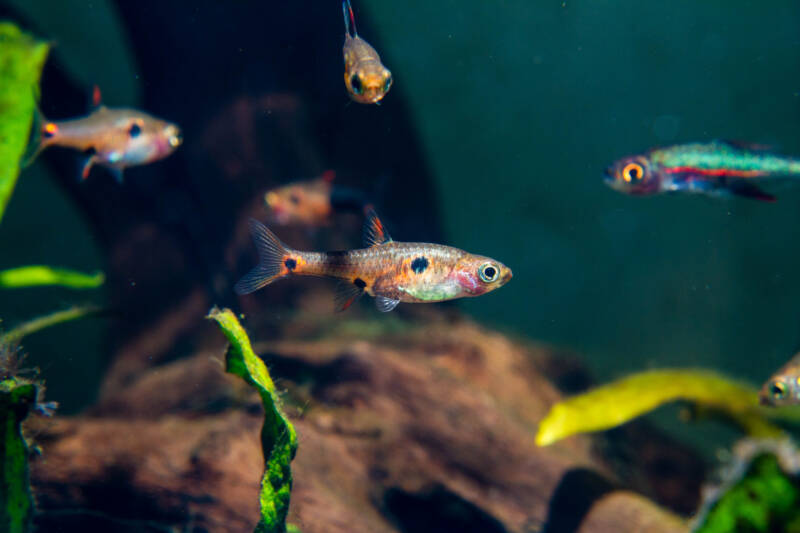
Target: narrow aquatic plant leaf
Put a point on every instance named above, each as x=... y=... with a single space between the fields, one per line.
x=40 y=323
x=16 y=503
x=21 y=60
x=618 y=402
x=40 y=275
x=278 y=437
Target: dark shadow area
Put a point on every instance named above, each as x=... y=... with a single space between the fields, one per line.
x=437 y=510
x=572 y=499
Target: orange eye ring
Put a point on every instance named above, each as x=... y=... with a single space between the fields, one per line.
x=632 y=172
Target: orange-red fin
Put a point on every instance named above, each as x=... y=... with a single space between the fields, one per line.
x=347 y=292
x=374 y=232
x=328 y=176
x=349 y=19
x=97 y=97
x=272 y=254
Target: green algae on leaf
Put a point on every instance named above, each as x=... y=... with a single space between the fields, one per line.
x=53 y=319
x=40 y=275
x=759 y=491
x=21 y=60
x=17 y=397
x=278 y=437
x=618 y=402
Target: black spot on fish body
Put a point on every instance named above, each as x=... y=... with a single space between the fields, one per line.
x=290 y=263
x=419 y=265
x=360 y=283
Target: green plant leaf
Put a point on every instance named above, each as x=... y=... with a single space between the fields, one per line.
x=40 y=323
x=618 y=402
x=278 y=437
x=40 y=275
x=21 y=60
x=16 y=510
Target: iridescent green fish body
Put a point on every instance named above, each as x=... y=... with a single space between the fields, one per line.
x=718 y=168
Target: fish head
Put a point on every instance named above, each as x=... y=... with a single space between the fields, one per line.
x=368 y=82
x=306 y=203
x=137 y=138
x=779 y=390
x=632 y=175
x=477 y=275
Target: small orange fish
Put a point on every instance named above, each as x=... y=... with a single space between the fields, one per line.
x=366 y=78
x=312 y=203
x=392 y=272
x=114 y=138
x=305 y=203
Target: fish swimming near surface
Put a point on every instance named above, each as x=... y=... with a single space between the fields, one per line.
x=366 y=78
x=390 y=271
x=783 y=387
x=717 y=168
x=312 y=203
x=114 y=138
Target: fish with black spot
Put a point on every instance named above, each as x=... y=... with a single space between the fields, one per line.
x=391 y=272
x=113 y=138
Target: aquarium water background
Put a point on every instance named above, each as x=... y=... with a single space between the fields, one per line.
x=510 y=110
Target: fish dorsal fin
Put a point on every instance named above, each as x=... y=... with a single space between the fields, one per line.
x=385 y=304
x=349 y=19
x=97 y=98
x=374 y=233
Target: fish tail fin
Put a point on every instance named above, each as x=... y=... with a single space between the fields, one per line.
x=275 y=260
x=349 y=19
x=42 y=131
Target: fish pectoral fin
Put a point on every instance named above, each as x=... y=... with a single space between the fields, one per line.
x=347 y=292
x=374 y=232
x=750 y=190
x=385 y=304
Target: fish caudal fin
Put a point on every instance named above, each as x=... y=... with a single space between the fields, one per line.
x=41 y=132
x=275 y=260
x=349 y=19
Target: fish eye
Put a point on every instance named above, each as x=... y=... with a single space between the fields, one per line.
x=355 y=83
x=294 y=199
x=488 y=272
x=632 y=172
x=388 y=83
x=134 y=130
x=777 y=390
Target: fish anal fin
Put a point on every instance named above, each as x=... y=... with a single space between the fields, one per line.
x=749 y=190
x=347 y=292
x=385 y=304
x=374 y=231
x=117 y=173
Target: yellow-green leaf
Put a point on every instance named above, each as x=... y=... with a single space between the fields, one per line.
x=21 y=60
x=40 y=275
x=618 y=402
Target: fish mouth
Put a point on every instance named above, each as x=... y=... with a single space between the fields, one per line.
x=507 y=277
